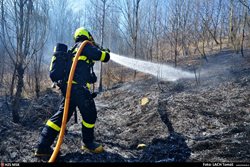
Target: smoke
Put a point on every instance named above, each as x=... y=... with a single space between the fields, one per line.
x=162 y=71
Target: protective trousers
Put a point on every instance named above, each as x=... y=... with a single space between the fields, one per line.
x=81 y=98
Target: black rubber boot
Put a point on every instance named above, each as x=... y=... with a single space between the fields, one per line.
x=43 y=152
x=46 y=139
x=88 y=140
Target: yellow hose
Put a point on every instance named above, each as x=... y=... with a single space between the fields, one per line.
x=66 y=103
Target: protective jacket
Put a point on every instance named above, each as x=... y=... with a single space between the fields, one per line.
x=83 y=73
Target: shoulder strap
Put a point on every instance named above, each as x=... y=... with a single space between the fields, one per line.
x=73 y=48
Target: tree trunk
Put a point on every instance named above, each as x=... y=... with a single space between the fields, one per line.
x=17 y=98
x=203 y=51
x=100 y=81
x=243 y=34
x=221 y=37
x=231 y=22
x=136 y=31
x=135 y=73
x=37 y=86
x=37 y=73
x=176 y=49
x=13 y=78
x=3 y=68
x=175 y=57
x=100 y=89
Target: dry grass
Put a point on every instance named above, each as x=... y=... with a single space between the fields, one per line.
x=114 y=73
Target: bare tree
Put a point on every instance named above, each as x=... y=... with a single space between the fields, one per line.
x=245 y=3
x=18 y=42
x=235 y=24
x=130 y=12
x=244 y=25
x=97 y=21
x=149 y=34
x=104 y=9
x=211 y=19
x=175 y=27
x=2 y=50
x=63 y=22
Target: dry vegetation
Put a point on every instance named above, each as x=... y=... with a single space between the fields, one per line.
x=210 y=115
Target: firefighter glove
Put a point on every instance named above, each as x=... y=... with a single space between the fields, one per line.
x=107 y=57
x=106 y=50
x=93 y=95
x=93 y=78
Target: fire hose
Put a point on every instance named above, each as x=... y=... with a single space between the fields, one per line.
x=66 y=104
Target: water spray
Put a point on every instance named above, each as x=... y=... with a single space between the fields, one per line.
x=162 y=71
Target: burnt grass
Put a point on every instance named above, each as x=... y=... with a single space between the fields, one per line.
x=182 y=122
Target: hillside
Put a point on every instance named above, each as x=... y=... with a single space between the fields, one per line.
x=182 y=121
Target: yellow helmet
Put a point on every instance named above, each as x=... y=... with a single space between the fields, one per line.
x=82 y=32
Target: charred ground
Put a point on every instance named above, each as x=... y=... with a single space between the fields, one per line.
x=183 y=121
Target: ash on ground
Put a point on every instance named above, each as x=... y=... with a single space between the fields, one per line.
x=207 y=119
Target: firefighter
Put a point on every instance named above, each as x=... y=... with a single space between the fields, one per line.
x=81 y=97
